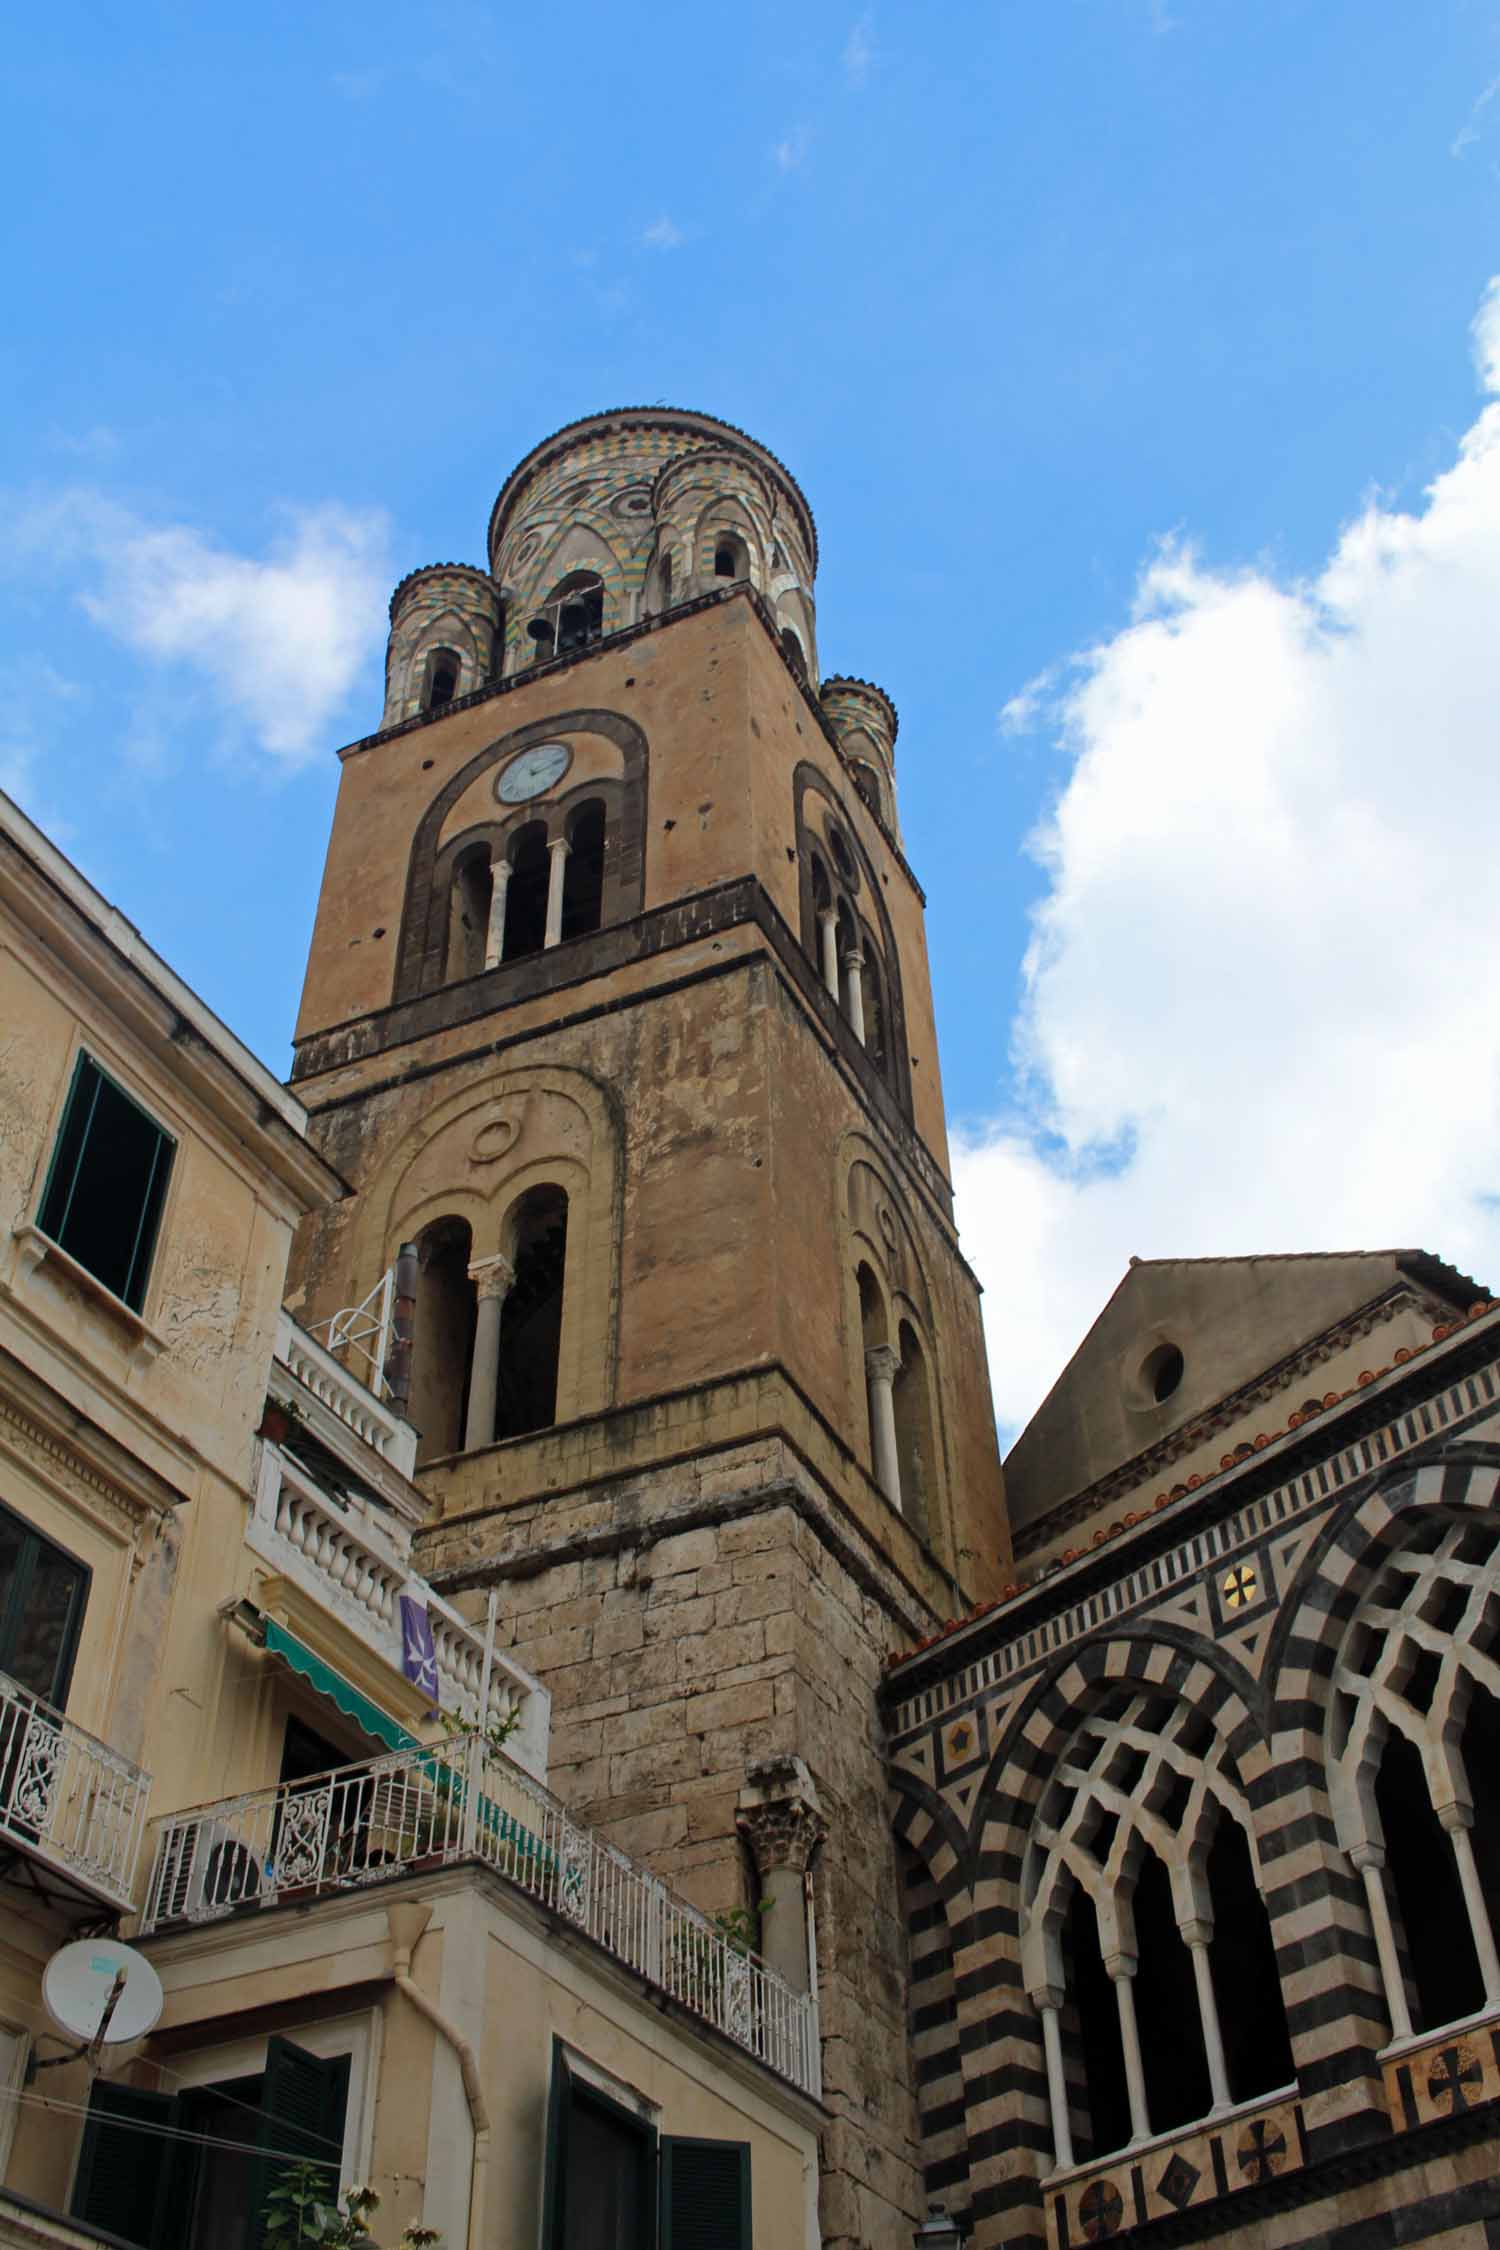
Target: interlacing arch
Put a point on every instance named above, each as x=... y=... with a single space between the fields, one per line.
x=1413 y=1744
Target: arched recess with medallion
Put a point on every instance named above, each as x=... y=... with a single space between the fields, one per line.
x=536 y=840
x=510 y=1190
x=894 y=1392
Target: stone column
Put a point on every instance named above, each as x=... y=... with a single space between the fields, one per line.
x=1458 y=1820
x=854 y=1006
x=1370 y=1860
x=1048 y=2004
x=781 y=1820
x=881 y=1365
x=1196 y=1936
x=492 y=1278
x=1120 y=1969
x=494 y=936
x=558 y=852
x=828 y=939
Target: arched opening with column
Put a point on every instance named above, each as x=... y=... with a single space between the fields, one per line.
x=1146 y=1942
x=536 y=1236
x=469 y=912
x=856 y=955
x=1413 y=1743
x=583 y=877
x=442 y=1337
x=916 y=1450
x=526 y=893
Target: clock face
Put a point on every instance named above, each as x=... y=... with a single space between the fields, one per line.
x=534 y=771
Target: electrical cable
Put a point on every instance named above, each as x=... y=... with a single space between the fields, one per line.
x=156 y=2130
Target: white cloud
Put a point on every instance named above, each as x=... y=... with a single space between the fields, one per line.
x=277 y=642
x=1468 y=133
x=1259 y=998
x=859 y=51
x=662 y=234
x=790 y=152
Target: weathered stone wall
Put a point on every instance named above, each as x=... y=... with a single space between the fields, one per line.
x=689 y=1623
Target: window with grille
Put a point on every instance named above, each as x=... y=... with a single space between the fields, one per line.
x=107 y=1183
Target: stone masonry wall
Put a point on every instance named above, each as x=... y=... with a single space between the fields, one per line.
x=690 y=1622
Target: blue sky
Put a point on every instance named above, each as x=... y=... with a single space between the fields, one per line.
x=1016 y=291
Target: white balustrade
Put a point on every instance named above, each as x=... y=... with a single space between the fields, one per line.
x=422 y=1808
x=356 y=1561
x=345 y=1396
x=68 y=1798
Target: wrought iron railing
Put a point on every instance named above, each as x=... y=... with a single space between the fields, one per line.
x=423 y=1808
x=67 y=1798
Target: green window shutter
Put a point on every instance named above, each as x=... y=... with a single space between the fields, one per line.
x=555 y=2163
x=107 y=1183
x=705 y=2194
x=302 y=2104
x=123 y=2160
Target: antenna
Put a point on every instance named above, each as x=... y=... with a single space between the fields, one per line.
x=102 y=1993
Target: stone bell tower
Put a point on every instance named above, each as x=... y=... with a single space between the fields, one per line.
x=618 y=1009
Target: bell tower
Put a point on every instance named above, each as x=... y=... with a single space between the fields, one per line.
x=618 y=1010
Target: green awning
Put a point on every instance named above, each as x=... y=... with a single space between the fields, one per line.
x=347 y=1699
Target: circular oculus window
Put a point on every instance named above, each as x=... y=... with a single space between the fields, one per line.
x=1161 y=1373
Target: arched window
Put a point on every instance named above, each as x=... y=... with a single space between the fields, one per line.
x=531 y=1319
x=731 y=556
x=526 y=892
x=915 y=1440
x=867 y=782
x=1414 y=1741
x=469 y=912
x=879 y=1368
x=442 y=679
x=1146 y=1940
x=583 y=876
x=794 y=652
x=571 y=617
x=442 y=1338
x=851 y=969
x=875 y=1008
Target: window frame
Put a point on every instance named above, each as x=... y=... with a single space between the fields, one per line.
x=33 y=1539
x=143 y=1252
x=573 y=2077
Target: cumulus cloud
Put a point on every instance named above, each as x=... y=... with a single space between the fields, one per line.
x=276 y=641
x=859 y=51
x=663 y=234
x=1258 y=1003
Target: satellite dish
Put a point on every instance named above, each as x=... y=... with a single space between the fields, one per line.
x=78 y=1982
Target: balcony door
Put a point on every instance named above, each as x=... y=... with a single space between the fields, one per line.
x=42 y=1596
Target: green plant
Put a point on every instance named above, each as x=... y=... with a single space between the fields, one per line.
x=298 y=2212
x=694 y=1951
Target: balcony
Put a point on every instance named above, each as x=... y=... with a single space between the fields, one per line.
x=354 y=1559
x=345 y=1397
x=70 y=1802
x=420 y=1809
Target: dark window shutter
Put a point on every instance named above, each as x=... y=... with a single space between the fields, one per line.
x=302 y=2104
x=122 y=2162
x=705 y=2194
x=555 y=2163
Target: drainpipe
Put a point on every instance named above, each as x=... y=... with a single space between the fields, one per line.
x=406 y=1925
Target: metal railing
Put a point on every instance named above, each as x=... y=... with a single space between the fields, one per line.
x=422 y=1808
x=74 y=1802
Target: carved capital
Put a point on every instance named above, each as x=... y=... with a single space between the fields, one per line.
x=779 y=1815
x=882 y=1363
x=492 y=1277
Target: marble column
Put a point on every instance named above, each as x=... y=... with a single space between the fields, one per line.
x=494 y=936
x=1048 y=2004
x=1458 y=1820
x=854 y=993
x=1370 y=1860
x=828 y=940
x=492 y=1278
x=1120 y=1969
x=881 y=1366
x=1197 y=1936
x=557 y=868
x=781 y=1820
